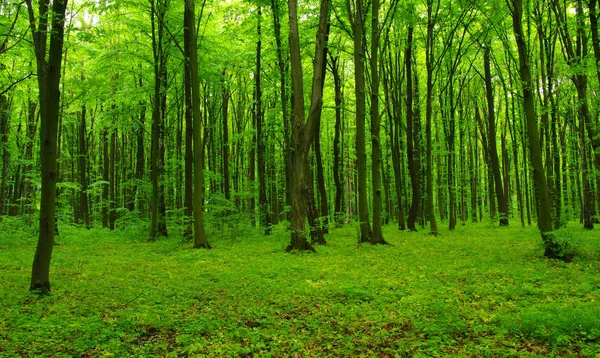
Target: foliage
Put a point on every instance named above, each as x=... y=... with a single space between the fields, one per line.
x=478 y=291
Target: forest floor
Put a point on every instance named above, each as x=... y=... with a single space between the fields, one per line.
x=479 y=291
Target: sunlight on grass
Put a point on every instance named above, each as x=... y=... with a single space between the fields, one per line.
x=478 y=291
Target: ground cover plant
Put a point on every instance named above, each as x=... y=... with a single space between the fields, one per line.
x=478 y=291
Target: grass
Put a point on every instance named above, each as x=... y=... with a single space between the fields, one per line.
x=480 y=291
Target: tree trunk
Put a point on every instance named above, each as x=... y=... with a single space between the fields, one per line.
x=303 y=133
x=263 y=204
x=492 y=149
x=226 y=95
x=361 y=151
x=4 y=114
x=337 y=166
x=200 y=240
x=552 y=248
x=428 y=116
x=412 y=144
x=377 y=235
x=83 y=200
x=113 y=149
x=284 y=104
x=189 y=157
x=49 y=73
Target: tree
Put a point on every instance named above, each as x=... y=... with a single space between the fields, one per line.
x=303 y=133
x=49 y=73
x=200 y=240
x=552 y=248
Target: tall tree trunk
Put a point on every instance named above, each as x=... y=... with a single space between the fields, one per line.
x=337 y=166
x=303 y=133
x=552 y=248
x=189 y=132
x=263 y=204
x=49 y=73
x=82 y=159
x=105 y=178
x=4 y=114
x=360 y=112
x=428 y=116
x=200 y=240
x=377 y=236
x=492 y=151
x=112 y=187
x=226 y=95
x=412 y=144
x=284 y=103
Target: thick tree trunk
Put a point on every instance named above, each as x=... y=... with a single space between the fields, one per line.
x=200 y=240
x=303 y=133
x=49 y=73
x=360 y=112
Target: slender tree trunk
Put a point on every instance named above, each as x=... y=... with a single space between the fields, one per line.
x=263 y=204
x=412 y=144
x=428 y=117
x=28 y=167
x=226 y=95
x=82 y=159
x=4 y=114
x=284 y=103
x=492 y=151
x=337 y=166
x=189 y=132
x=377 y=236
x=552 y=248
x=112 y=186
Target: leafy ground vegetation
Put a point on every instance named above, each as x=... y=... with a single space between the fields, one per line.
x=479 y=291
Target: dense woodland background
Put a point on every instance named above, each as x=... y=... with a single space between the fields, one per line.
x=432 y=113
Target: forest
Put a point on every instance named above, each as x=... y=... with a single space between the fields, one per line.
x=314 y=178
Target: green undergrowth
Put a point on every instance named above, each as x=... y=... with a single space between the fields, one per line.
x=480 y=291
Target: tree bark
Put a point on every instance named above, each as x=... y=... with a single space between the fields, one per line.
x=200 y=240
x=412 y=146
x=552 y=248
x=4 y=114
x=337 y=165
x=360 y=113
x=82 y=160
x=377 y=235
x=263 y=204
x=303 y=133
x=49 y=73
x=492 y=148
x=189 y=132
